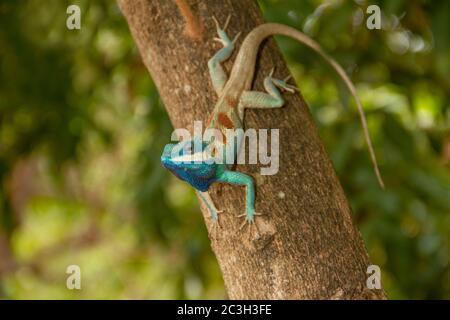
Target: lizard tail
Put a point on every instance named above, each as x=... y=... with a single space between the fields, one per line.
x=257 y=35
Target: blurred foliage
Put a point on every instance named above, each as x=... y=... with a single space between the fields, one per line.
x=82 y=128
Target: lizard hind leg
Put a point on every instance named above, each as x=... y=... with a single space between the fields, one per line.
x=272 y=98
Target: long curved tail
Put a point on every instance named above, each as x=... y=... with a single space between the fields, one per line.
x=257 y=35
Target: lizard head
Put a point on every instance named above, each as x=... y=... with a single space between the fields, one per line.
x=189 y=161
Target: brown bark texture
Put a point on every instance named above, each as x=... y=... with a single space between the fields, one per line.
x=307 y=246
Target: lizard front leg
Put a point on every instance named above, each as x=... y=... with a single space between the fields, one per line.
x=216 y=72
x=239 y=178
x=213 y=212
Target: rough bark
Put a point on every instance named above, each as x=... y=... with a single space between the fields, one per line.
x=308 y=247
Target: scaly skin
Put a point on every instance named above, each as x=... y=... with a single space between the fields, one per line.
x=234 y=96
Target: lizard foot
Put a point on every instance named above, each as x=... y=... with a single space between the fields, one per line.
x=252 y=225
x=215 y=224
x=282 y=84
x=218 y=25
x=222 y=35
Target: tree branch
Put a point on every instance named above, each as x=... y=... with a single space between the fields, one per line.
x=308 y=247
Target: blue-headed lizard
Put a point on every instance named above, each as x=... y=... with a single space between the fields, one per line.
x=235 y=95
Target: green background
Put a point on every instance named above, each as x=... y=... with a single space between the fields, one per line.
x=82 y=128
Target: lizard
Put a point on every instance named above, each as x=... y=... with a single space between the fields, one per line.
x=204 y=166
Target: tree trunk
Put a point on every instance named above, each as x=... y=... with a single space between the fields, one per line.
x=307 y=247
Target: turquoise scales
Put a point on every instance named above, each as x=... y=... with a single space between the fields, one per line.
x=235 y=95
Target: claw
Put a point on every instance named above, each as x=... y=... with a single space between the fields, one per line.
x=243 y=224
x=284 y=86
x=215 y=216
x=215 y=227
x=292 y=89
x=255 y=214
x=287 y=78
x=226 y=22
x=236 y=37
x=216 y=22
x=251 y=224
x=271 y=72
x=217 y=223
x=289 y=87
x=257 y=229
